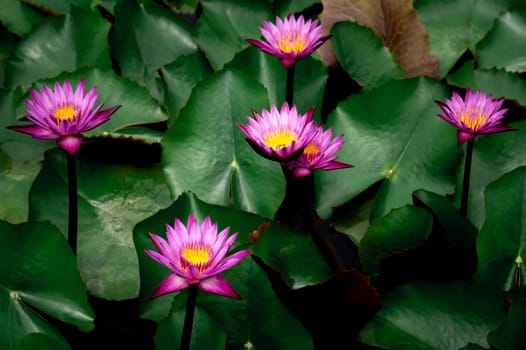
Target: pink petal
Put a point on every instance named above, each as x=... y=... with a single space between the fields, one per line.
x=36 y=131
x=170 y=284
x=70 y=143
x=463 y=136
x=218 y=285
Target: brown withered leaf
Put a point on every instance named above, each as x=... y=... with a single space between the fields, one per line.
x=396 y=22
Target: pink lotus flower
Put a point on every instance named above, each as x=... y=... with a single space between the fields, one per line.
x=290 y=39
x=279 y=135
x=320 y=153
x=476 y=114
x=64 y=115
x=196 y=255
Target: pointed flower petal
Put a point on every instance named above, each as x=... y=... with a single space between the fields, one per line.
x=474 y=115
x=218 y=285
x=63 y=114
x=195 y=254
x=290 y=39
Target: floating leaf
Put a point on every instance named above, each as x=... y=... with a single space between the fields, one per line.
x=395 y=22
x=434 y=316
x=110 y=204
x=38 y=274
x=401 y=229
x=501 y=243
x=60 y=44
x=146 y=37
x=399 y=141
x=491 y=81
x=310 y=78
x=363 y=56
x=507 y=35
x=18 y=17
x=206 y=153
x=468 y=21
x=222 y=28
x=509 y=335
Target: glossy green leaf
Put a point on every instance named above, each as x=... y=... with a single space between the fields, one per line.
x=60 y=44
x=224 y=26
x=137 y=105
x=434 y=316
x=146 y=37
x=493 y=156
x=468 y=21
x=20 y=161
x=508 y=35
x=40 y=341
x=260 y=317
x=55 y=7
x=502 y=240
x=38 y=274
x=392 y=134
x=401 y=229
x=286 y=7
x=490 y=81
x=19 y=17
x=112 y=199
x=459 y=233
x=206 y=153
x=509 y=335
x=180 y=78
x=207 y=332
x=310 y=78
x=363 y=56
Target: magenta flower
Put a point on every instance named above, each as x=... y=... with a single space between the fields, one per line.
x=64 y=115
x=278 y=135
x=196 y=255
x=320 y=153
x=476 y=114
x=290 y=39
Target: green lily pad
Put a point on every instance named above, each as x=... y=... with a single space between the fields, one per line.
x=110 y=204
x=180 y=78
x=508 y=35
x=400 y=141
x=38 y=275
x=40 y=341
x=60 y=44
x=204 y=152
x=363 y=55
x=501 y=244
x=468 y=21
x=310 y=78
x=401 y=229
x=146 y=37
x=18 y=17
x=434 y=316
x=222 y=29
x=492 y=81
x=509 y=335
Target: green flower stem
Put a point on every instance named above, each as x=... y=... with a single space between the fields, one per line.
x=298 y=210
x=189 y=317
x=73 y=202
x=289 y=93
x=467 y=174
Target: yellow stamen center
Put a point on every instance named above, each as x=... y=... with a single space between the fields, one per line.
x=67 y=112
x=473 y=118
x=311 y=152
x=197 y=255
x=292 y=43
x=280 y=139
